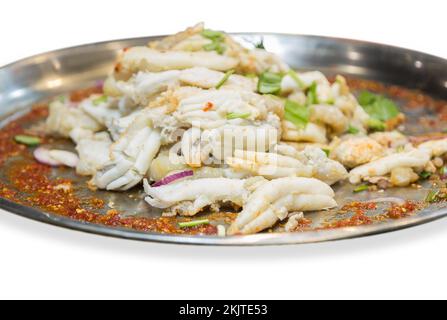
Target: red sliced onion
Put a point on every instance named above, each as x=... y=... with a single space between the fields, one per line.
x=99 y=84
x=173 y=177
x=56 y=158
x=42 y=155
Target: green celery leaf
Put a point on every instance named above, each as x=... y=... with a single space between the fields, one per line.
x=378 y=107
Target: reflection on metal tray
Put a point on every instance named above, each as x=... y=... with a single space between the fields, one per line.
x=44 y=76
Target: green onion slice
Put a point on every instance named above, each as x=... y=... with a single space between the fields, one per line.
x=376 y=125
x=296 y=113
x=312 y=96
x=193 y=223
x=270 y=83
x=297 y=79
x=217 y=46
x=432 y=196
x=27 y=140
x=353 y=130
x=100 y=100
x=217 y=41
x=212 y=34
x=327 y=151
x=224 y=79
x=361 y=188
x=234 y=115
x=425 y=175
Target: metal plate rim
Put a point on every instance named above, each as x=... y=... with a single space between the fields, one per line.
x=249 y=240
x=253 y=33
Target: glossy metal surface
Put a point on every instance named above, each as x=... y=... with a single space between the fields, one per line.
x=46 y=75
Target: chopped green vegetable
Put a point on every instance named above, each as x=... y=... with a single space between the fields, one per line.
x=367 y=98
x=327 y=151
x=425 y=175
x=296 y=113
x=297 y=79
x=269 y=83
x=251 y=75
x=217 y=46
x=62 y=99
x=193 y=223
x=432 y=196
x=378 y=107
x=260 y=44
x=234 y=115
x=312 y=96
x=353 y=130
x=217 y=39
x=376 y=125
x=27 y=140
x=212 y=34
x=100 y=100
x=361 y=188
x=443 y=171
x=400 y=149
x=224 y=79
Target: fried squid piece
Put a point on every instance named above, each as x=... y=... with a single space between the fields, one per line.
x=197 y=38
x=311 y=133
x=181 y=40
x=211 y=109
x=103 y=109
x=325 y=169
x=392 y=139
x=143 y=87
x=189 y=197
x=64 y=117
x=355 y=151
x=199 y=146
x=131 y=157
x=435 y=148
x=272 y=201
x=330 y=116
x=413 y=159
x=90 y=161
x=208 y=79
x=268 y=165
x=138 y=59
x=312 y=162
x=306 y=79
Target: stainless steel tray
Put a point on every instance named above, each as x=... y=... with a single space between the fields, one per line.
x=40 y=77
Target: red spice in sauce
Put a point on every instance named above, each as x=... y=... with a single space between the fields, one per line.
x=405 y=210
x=208 y=106
x=58 y=196
x=359 y=217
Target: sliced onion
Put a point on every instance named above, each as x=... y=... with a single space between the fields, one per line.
x=221 y=231
x=398 y=201
x=173 y=177
x=99 y=84
x=65 y=158
x=43 y=156
x=56 y=158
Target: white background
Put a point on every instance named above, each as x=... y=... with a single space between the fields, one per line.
x=40 y=261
